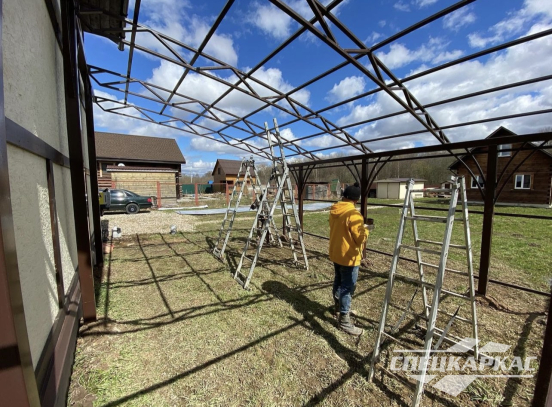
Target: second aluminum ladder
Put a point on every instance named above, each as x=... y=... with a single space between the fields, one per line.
x=430 y=309
x=278 y=192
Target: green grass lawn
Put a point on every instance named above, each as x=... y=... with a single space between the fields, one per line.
x=521 y=248
x=174 y=328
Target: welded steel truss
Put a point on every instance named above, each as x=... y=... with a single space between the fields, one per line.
x=210 y=120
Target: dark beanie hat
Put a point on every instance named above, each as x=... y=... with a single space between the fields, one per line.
x=352 y=192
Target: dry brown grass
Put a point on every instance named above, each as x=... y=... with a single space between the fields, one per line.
x=175 y=329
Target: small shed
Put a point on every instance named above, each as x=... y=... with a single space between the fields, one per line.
x=395 y=188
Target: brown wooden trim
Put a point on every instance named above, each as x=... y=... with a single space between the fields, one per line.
x=55 y=232
x=43 y=366
x=74 y=133
x=131 y=160
x=17 y=379
x=24 y=139
x=59 y=352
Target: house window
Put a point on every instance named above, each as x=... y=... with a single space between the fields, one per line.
x=502 y=153
x=523 y=181
x=219 y=171
x=477 y=180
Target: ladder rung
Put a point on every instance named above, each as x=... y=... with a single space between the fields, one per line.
x=468 y=321
x=432 y=190
x=394 y=339
x=432 y=286
x=421 y=249
x=429 y=218
x=462 y=273
x=456 y=246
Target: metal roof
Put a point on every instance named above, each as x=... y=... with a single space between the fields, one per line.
x=137 y=148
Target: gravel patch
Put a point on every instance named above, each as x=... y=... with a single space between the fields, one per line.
x=147 y=222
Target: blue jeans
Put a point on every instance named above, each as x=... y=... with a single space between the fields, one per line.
x=344 y=286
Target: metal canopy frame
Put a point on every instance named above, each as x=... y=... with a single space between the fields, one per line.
x=213 y=122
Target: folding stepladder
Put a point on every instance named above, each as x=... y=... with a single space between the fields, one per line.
x=278 y=191
x=430 y=310
x=247 y=172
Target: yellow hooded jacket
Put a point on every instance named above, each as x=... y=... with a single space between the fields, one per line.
x=347 y=234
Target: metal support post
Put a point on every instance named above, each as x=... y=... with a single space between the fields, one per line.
x=488 y=215
x=363 y=196
x=78 y=186
x=196 y=194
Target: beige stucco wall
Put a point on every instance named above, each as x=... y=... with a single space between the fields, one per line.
x=33 y=98
x=417 y=185
x=33 y=237
x=396 y=190
x=381 y=191
x=66 y=225
x=393 y=190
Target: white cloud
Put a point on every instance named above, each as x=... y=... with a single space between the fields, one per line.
x=117 y=123
x=275 y=23
x=459 y=18
x=206 y=145
x=533 y=12
x=198 y=167
x=207 y=90
x=288 y=135
x=347 y=88
x=372 y=38
x=434 y=51
x=401 y=6
x=424 y=3
x=174 y=18
x=382 y=23
x=321 y=142
x=472 y=76
x=271 y=20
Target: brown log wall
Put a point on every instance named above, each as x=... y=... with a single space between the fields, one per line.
x=538 y=165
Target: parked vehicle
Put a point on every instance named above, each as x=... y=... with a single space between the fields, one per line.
x=123 y=200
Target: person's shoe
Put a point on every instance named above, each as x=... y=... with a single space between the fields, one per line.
x=347 y=326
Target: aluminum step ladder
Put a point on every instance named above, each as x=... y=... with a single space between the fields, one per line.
x=278 y=192
x=431 y=309
x=247 y=172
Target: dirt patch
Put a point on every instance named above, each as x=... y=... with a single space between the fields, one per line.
x=147 y=221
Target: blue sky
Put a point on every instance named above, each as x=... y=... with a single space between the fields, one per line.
x=252 y=29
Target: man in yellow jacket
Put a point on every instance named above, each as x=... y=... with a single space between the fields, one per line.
x=347 y=236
